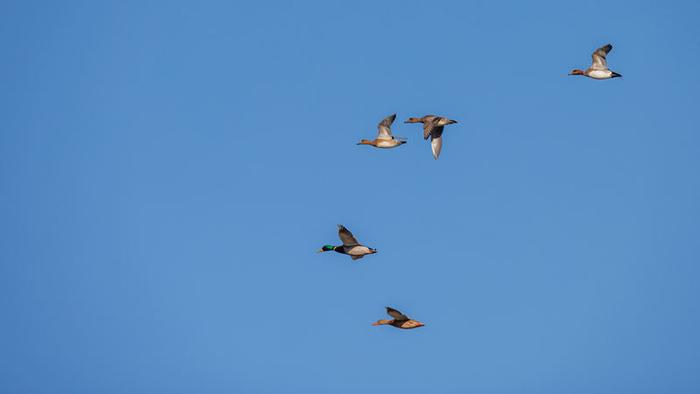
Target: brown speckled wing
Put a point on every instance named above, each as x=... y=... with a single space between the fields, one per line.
x=396 y=314
x=428 y=125
x=346 y=236
x=431 y=129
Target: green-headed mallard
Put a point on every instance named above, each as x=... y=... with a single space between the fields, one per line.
x=384 y=138
x=400 y=320
x=599 y=67
x=350 y=245
x=432 y=127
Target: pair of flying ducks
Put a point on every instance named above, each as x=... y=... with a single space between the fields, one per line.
x=432 y=128
x=355 y=250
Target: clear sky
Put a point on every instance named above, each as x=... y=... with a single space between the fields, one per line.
x=169 y=170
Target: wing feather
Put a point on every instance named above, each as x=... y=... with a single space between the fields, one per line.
x=396 y=314
x=346 y=236
x=436 y=145
x=428 y=125
x=384 y=128
x=599 y=58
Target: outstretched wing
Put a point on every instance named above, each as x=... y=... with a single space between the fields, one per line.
x=599 y=58
x=428 y=125
x=346 y=236
x=433 y=127
x=384 y=128
x=436 y=146
x=396 y=314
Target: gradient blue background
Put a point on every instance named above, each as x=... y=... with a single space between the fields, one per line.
x=169 y=170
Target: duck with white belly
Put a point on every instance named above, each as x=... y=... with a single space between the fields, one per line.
x=599 y=67
x=384 y=138
x=350 y=246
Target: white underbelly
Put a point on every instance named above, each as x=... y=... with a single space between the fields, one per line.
x=358 y=251
x=387 y=144
x=600 y=74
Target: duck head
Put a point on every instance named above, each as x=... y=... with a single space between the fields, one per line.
x=576 y=71
x=365 y=142
x=414 y=120
x=326 y=248
x=382 y=322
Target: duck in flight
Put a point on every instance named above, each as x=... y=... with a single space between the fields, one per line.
x=350 y=245
x=432 y=127
x=599 y=67
x=399 y=320
x=384 y=138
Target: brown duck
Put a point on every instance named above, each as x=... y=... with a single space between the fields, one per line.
x=399 y=320
x=432 y=127
x=384 y=138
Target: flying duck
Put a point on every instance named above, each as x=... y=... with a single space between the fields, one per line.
x=384 y=138
x=350 y=245
x=599 y=67
x=399 y=320
x=432 y=127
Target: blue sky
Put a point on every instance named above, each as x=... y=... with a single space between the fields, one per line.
x=169 y=170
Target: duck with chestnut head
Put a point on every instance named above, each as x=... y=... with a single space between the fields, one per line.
x=384 y=138
x=599 y=67
x=399 y=320
x=432 y=128
x=350 y=246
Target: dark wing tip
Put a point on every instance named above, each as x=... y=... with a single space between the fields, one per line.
x=388 y=121
x=607 y=48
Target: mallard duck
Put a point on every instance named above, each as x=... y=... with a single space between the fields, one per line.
x=384 y=138
x=400 y=320
x=350 y=245
x=599 y=67
x=432 y=127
